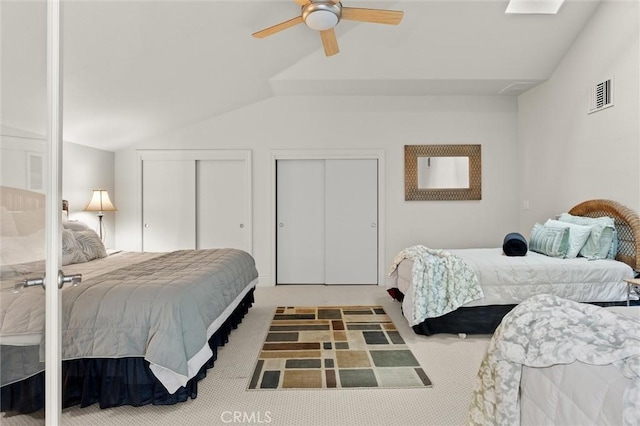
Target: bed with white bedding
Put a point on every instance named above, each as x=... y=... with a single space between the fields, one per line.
x=140 y=328
x=505 y=281
x=554 y=361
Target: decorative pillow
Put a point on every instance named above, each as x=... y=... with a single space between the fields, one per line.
x=549 y=241
x=514 y=244
x=74 y=225
x=578 y=235
x=71 y=250
x=90 y=244
x=600 y=242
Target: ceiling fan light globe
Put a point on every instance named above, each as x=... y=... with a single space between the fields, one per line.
x=321 y=20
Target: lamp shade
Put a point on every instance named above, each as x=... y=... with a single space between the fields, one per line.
x=100 y=202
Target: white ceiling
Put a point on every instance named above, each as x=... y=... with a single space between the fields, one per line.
x=136 y=69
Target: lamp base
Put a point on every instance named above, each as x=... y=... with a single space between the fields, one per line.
x=100 y=226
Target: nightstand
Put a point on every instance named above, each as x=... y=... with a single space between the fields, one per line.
x=633 y=288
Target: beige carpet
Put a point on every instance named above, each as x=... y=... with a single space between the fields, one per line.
x=223 y=399
x=333 y=347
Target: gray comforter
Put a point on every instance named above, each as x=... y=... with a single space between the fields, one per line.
x=161 y=309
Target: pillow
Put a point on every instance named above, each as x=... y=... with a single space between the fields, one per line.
x=549 y=240
x=7 y=225
x=15 y=250
x=614 y=245
x=600 y=242
x=71 y=250
x=90 y=244
x=514 y=244
x=29 y=221
x=74 y=225
x=578 y=235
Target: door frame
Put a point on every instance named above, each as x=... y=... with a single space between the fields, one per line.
x=328 y=154
x=53 y=220
x=198 y=154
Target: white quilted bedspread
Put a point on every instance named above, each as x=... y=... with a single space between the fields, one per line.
x=546 y=331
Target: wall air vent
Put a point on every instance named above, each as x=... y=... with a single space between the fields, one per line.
x=601 y=96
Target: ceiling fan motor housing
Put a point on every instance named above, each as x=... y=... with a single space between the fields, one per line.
x=321 y=15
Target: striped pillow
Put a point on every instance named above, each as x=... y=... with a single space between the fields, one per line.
x=553 y=242
x=90 y=244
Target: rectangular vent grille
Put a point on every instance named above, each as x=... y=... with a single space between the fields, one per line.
x=601 y=96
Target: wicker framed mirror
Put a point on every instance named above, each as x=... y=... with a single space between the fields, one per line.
x=442 y=172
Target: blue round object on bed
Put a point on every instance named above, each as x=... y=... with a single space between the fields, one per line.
x=514 y=244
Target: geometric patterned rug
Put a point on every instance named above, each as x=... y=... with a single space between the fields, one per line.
x=326 y=347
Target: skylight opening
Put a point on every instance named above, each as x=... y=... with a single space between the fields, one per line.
x=542 y=7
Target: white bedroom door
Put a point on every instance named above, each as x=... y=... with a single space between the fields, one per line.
x=52 y=188
x=31 y=69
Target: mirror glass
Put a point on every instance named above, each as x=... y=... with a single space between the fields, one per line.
x=443 y=172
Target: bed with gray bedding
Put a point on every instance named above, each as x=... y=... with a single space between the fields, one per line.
x=160 y=314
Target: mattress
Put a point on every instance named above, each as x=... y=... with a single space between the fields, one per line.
x=510 y=280
x=162 y=307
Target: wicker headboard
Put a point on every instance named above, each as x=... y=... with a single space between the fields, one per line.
x=627 y=224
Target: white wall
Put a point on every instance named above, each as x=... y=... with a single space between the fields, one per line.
x=386 y=123
x=85 y=169
x=568 y=156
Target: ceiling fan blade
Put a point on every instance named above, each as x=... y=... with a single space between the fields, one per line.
x=377 y=16
x=329 y=42
x=278 y=27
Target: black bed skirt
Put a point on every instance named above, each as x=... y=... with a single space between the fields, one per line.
x=469 y=320
x=114 y=382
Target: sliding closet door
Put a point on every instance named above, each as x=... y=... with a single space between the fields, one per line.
x=222 y=210
x=168 y=207
x=351 y=221
x=300 y=222
x=327 y=222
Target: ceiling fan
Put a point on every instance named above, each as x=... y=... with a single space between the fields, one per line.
x=324 y=15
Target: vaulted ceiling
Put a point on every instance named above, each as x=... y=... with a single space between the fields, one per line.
x=133 y=69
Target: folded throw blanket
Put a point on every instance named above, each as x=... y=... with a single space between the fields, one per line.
x=442 y=282
x=514 y=244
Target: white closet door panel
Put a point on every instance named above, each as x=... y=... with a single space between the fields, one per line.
x=168 y=200
x=352 y=221
x=300 y=222
x=222 y=204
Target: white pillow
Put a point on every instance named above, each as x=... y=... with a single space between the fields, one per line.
x=75 y=225
x=7 y=225
x=600 y=242
x=578 y=235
